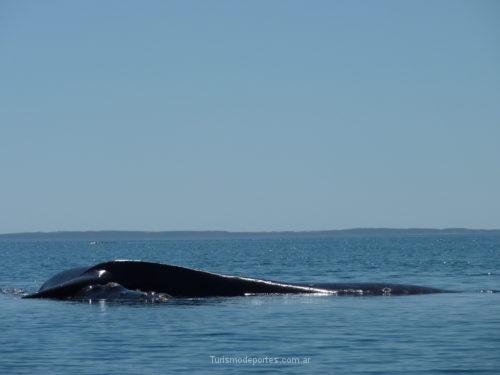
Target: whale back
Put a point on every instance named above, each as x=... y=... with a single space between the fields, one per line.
x=186 y=282
x=178 y=281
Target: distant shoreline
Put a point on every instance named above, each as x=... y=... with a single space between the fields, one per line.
x=115 y=235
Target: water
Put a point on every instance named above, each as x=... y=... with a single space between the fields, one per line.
x=426 y=334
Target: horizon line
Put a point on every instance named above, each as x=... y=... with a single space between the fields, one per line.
x=222 y=231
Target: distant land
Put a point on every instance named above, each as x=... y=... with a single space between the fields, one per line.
x=115 y=235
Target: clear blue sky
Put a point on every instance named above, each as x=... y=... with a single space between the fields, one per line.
x=255 y=115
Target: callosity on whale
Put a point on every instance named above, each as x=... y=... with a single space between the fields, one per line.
x=138 y=280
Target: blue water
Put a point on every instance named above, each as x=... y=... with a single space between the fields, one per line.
x=455 y=333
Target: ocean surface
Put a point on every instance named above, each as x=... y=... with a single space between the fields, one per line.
x=455 y=333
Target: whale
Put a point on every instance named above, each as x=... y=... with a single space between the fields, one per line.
x=141 y=280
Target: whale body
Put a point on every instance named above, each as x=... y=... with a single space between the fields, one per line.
x=139 y=280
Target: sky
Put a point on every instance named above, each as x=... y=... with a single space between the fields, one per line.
x=249 y=115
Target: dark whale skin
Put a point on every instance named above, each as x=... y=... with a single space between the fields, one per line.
x=175 y=281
